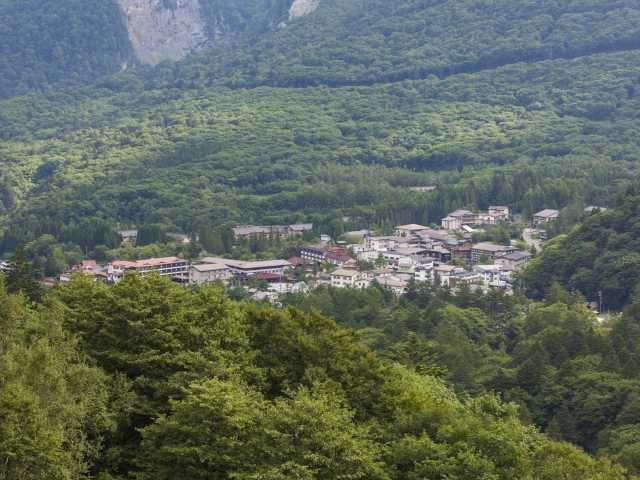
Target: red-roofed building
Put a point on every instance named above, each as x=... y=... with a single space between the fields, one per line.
x=268 y=277
x=335 y=258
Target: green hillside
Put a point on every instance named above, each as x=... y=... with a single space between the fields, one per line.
x=44 y=43
x=371 y=41
x=598 y=257
x=530 y=104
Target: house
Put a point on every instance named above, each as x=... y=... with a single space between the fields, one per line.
x=313 y=253
x=297 y=262
x=490 y=251
x=87 y=267
x=440 y=253
x=397 y=285
x=455 y=220
x=271 y=297
x=441 y=274
x=345 y=278
x=243 y=269
x=173 y=267
x=462 y=251
x=499 y=214
x=424 y=273
x=458 y=279
x=409 y=230
x=271 y=231
x=515 y=260
x=206 y=273
x=336 y=258
x=406 y=257
x=383 y=243
x=545 y=216
x=427 y=238
x=299 y=229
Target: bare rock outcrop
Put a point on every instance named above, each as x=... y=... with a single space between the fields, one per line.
x=300 y=8
x=164 y=30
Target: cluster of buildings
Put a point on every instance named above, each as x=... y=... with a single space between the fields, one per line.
x=446 y=255
x=467 y=220
x=416 y=252
x=272 y=231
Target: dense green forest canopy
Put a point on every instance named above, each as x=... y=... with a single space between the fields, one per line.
x=150 y=380
x=370 y=41
x=599 y=258
x=317 y=153
x=571 y=375
x=531 y=104
x=44 y=43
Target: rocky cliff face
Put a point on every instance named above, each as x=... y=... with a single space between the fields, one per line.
x=172 y=29
x=300 y=8
x=164 y=30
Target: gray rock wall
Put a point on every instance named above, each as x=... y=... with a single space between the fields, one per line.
x=158 y=32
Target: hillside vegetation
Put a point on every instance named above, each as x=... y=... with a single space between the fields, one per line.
x=44 y=43
x=529 y=125
x=598 y=257
x=150 y=380
x=372 y=41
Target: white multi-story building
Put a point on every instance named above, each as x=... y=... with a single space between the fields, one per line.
x=173 y=267
x=243 y=269
x=404 y=231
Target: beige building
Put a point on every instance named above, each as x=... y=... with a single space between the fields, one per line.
x=209 y=273
x=408 y=230
x=545 y=216
x=489 y=250
x=346 y=278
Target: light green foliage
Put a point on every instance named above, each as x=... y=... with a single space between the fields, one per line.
x=226 y=430
x=54 y=406
x=576 y=380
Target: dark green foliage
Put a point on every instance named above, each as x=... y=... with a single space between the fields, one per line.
x=20 y=278
x=374 y=41
x=599 y=256
x=575 y=379
x=170 y=147
x=44 y=43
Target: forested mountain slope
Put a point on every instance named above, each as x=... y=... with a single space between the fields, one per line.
x=598 y=257
x=362 y=42
x=49 y=43
x=183 y=146
x=527 y=135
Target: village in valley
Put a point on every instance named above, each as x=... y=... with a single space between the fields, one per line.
x=453 y=254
